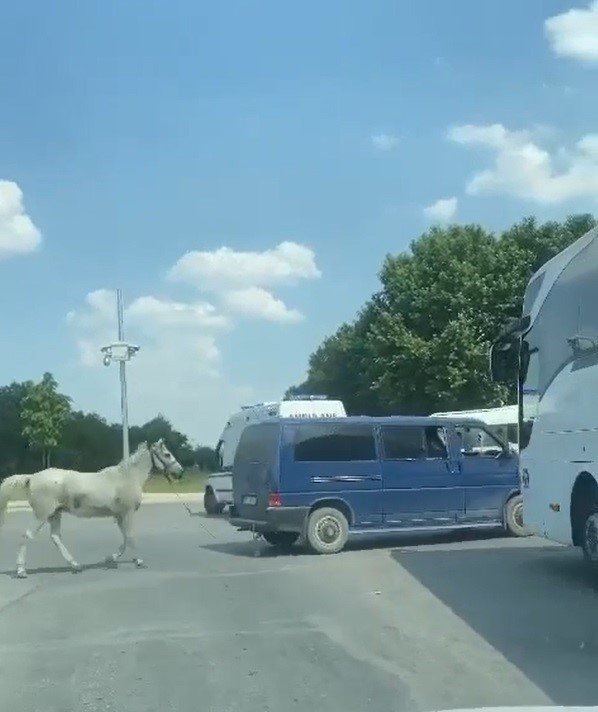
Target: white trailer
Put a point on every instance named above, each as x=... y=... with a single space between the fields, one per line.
x=219 y=489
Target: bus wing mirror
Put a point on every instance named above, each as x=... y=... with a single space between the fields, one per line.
x=502 y=363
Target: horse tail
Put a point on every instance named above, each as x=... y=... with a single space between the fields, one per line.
x=13 y=487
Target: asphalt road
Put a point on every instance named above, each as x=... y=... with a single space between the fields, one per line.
x=391 y=624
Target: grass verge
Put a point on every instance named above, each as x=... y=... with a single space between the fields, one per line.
x=191 y=481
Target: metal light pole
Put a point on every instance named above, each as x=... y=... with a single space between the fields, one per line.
x=122 y=352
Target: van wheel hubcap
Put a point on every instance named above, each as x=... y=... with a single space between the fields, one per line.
x=591 y=537
x=328 y=530
x=518 y=515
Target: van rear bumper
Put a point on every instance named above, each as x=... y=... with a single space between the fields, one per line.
x=277 y=519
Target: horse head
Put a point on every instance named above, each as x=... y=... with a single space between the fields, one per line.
x=163 y=460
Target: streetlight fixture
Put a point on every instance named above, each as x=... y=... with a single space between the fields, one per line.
x=121 y=352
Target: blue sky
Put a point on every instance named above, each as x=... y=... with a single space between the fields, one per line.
x=139 y=132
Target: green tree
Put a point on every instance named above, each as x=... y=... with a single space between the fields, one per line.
x=206 y=458
x=15 y=455
x=89 y=443
x=44 y=414
x=160 y=427
x=421 y=343
x=336 y=368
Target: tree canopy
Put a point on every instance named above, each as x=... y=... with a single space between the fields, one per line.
x=43 y=413
x=420 y=344
x=36 y=417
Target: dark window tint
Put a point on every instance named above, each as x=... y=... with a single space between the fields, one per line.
x=258 y=444
x=413 y=442
x=328 y=442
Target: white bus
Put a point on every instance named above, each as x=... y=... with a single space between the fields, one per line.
x=501 y=421
x=555 y=347
x=219 y=489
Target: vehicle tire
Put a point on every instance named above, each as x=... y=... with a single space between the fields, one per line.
x=513 y=516
x=210 y=503
x=327 y=530
x=589 y=542
x=282 y=540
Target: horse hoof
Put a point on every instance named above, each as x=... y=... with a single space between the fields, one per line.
x=139 y=563
x=21 y=573
x=77 y=568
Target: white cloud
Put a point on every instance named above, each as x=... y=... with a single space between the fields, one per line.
x=163 y=323
x=259 y=303
x=524 y=169
x=223 y=268
x=178 y=370
x=384 y=142
x=100 y=310
x=18 y=234
x=442 y=210
x=151 y=312
x=574 y=33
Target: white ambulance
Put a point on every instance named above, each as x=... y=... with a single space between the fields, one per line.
x=219 y=488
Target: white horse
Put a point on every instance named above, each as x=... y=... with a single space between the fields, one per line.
x=112 y=492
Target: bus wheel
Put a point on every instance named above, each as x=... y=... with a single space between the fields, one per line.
x=514 y=516
x=283 y=540
x=327 y=530
x=590 y=539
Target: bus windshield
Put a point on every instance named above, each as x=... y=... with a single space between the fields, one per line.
x=529 y=375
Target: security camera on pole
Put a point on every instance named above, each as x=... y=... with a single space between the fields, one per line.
x=122 y=352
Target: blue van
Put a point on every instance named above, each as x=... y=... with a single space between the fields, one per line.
x=325 y=479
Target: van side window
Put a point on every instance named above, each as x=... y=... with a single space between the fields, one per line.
x=477 y=442
x=413 y=442
x=327 y=442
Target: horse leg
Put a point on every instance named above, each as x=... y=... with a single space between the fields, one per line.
x=55 y=536
x=126 y=527
x=113 y=558
x=22 y=552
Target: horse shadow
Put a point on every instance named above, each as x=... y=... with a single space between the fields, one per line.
x=103 y=565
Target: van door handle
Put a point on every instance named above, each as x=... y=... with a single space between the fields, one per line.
x=355 y=478
x=348 y=478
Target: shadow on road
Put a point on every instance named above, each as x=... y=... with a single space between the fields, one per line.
x=11 y=573
x=536 y=606
x=363 y=542
x=250 y=549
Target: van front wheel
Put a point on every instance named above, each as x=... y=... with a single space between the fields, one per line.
x=327 y=530
x=514 y=516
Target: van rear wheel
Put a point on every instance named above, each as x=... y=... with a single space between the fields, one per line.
x=327 y=530
x=283 y=540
